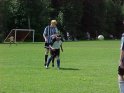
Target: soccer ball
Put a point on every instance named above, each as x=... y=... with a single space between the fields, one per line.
x=100 y=37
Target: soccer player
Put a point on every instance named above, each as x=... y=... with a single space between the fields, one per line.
x=121 y=66
x=55 y=50
x=48 y=32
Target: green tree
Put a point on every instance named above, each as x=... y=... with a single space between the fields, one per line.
x=2 y=21
x=76 y=17
x=24 y=14
x=93 y=18
x=114 y=17
x=72 y=14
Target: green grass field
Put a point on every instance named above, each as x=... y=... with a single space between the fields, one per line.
x=86 y=67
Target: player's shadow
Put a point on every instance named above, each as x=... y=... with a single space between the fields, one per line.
x=69 y=69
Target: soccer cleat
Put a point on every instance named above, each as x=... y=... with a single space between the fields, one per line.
x=58 y=67
x=46 y=67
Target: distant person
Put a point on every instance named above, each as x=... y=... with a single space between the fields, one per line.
x=121 y=67
x=11 y=40
x=68 y=35
x=111 y=36
x=88 y=35
x=55 y=50
x=48 y=32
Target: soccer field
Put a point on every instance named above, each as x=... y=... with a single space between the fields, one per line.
x=86 y=67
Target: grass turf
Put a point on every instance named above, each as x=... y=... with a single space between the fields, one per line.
x=86 y=67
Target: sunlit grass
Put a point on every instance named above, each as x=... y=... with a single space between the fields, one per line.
x=86 y=67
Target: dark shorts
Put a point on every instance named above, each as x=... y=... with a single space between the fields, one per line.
x=120 y=71
x=55 y=53
x=47 y=45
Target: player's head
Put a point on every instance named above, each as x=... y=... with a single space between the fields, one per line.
x=58 y=37
x=123 y=35
x=53 y=22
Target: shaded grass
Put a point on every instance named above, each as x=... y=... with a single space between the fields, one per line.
x=86 y=67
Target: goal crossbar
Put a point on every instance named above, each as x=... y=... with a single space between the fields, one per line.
x=25 y=30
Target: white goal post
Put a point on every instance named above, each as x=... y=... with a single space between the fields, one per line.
x=20 y=30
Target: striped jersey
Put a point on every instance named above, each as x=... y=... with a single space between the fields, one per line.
x=49 y=31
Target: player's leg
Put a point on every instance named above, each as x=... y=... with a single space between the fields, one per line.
x=121 y=85
x=50 y=58
x=46 y=56
x=57 y=58
x=121 y=79
x=10 y=43
x=46 y=53
x=53 y=62
x=58 y=62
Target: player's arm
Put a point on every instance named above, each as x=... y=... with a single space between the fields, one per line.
x=56 y=31
x=45 y=37
x=45 y=34
x=51 y=48
x=51 y=44
x=61 y=47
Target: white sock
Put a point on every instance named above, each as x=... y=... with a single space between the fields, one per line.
x=121 y=86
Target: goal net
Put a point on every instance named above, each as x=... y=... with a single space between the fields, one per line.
x=21 y=35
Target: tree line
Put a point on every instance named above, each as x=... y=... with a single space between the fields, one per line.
x=74 y=16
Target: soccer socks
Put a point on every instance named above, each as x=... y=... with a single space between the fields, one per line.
x=121 y=86
x=58 y=63
x=46 y=56
x=49 y=60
